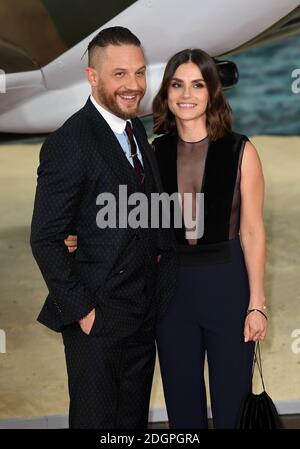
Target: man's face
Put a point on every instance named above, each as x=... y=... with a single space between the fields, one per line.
x=119 y=79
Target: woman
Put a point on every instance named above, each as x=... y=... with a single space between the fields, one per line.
x=218 y=309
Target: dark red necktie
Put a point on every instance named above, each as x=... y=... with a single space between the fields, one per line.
x=133 y=149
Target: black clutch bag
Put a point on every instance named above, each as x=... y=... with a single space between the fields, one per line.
x=258 y=410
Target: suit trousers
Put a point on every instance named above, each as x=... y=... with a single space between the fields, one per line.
x=206 y=318
x=110 y=376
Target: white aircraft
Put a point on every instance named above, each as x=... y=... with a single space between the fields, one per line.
x=42 y=80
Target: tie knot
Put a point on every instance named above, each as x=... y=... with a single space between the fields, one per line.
x=128 y=128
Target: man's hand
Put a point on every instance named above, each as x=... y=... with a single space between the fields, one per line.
x=87 y=322
x=71 y=243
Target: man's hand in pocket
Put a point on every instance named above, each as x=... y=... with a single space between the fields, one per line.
x=71 y=243
x=87 y=322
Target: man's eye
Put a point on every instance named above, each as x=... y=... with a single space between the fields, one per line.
x=119 y=74
x=141 y=74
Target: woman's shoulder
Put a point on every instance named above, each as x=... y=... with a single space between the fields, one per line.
x=232 y=142
x=164 y=141
x=250 y=157
x=237 y=137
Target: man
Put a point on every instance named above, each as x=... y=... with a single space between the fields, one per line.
x=106 y=297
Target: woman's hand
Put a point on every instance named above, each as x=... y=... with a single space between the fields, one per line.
x=71 y=243
x=255 y=327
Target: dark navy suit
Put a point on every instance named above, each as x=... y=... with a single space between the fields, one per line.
x=114 y=270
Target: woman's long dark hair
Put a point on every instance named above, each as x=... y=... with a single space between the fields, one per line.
x=218 y=112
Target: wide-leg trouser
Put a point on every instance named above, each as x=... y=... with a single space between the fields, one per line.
x=206 y=317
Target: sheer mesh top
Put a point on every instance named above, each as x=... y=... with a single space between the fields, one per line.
x=191 y=159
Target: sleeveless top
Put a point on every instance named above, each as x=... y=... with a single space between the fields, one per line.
x=214 y=169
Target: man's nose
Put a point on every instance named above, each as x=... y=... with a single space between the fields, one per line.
x=132 y=83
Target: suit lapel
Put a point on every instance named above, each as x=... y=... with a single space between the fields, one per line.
x=113 y=154
x=144 y=147
x=110 y=149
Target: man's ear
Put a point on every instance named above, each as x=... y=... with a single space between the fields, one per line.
x=92 y=76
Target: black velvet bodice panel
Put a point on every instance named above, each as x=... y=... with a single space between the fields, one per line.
x=220 y=184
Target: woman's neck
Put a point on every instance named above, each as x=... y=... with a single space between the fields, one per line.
x=191 y=130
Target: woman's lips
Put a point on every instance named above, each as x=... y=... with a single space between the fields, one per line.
x=186 y=105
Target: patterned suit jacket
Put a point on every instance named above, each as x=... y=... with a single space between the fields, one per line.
x=110 y=267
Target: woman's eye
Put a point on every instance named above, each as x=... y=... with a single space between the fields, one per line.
x=199 y=85
x=175 y=85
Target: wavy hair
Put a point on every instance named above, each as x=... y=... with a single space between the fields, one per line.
x=218 y=112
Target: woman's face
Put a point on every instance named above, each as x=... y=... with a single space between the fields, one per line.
x=187 y=93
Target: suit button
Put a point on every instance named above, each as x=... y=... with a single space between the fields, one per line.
x=136 y=236
x=57 y=306
x=121 y=271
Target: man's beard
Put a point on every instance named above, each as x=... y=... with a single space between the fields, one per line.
x=110 y=102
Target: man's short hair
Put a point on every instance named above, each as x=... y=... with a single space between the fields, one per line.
x=112 y=36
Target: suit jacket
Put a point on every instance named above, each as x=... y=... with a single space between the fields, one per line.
x=112 y=267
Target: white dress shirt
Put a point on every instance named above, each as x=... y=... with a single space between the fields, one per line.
x=117 y=125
